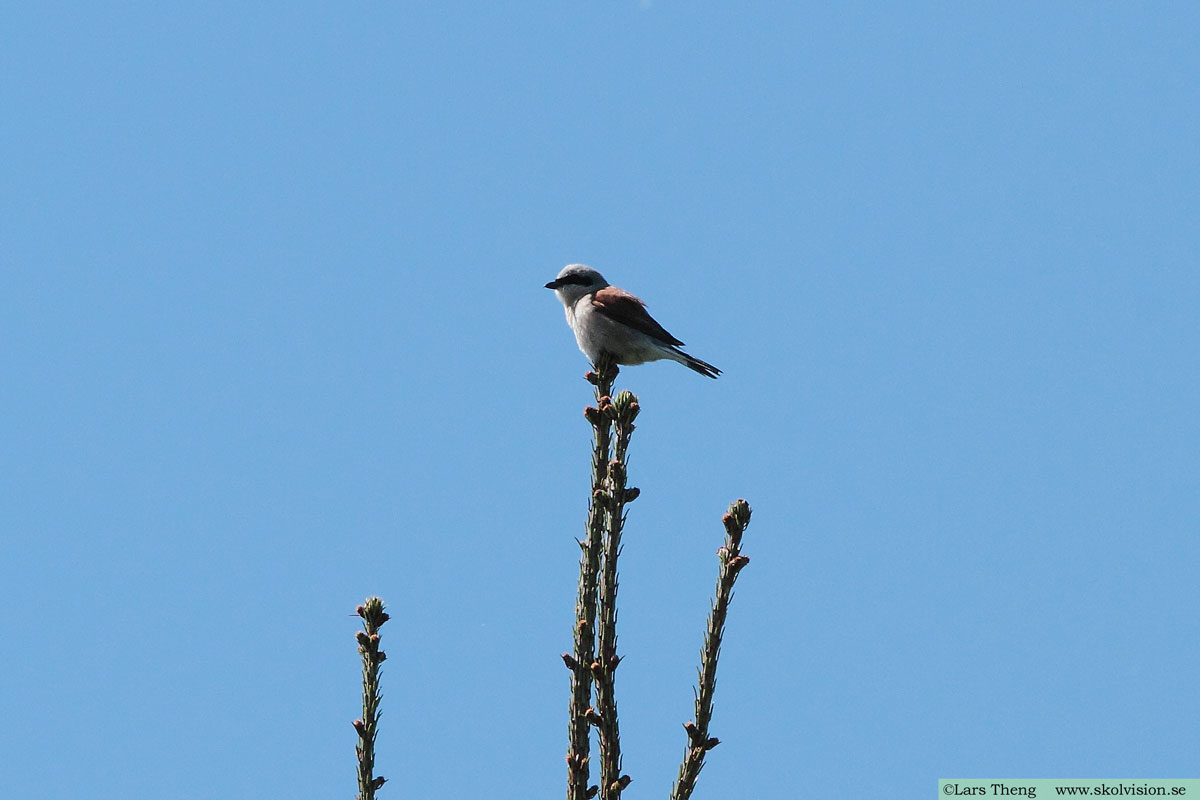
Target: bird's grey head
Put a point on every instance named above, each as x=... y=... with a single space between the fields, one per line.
x=574 y=281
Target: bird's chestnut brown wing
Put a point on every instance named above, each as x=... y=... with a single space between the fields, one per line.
x=620 y=306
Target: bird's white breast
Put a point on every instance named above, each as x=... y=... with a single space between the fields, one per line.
x=596 y=333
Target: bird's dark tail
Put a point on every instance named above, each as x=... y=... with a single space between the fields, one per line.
x=703 y=367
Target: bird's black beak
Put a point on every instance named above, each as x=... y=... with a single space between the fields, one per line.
x=554 y=284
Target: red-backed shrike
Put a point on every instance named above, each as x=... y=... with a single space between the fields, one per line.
x=606 y=319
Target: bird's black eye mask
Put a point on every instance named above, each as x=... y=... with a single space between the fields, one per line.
x=570 y=280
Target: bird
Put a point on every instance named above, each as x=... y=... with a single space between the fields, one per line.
x=609 y=320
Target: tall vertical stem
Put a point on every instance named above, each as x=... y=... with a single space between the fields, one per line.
x=624 y=410
x=732 y=562
x=373 y=616
x=580 y=662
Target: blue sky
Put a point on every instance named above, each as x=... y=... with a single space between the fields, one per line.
x=274 y=338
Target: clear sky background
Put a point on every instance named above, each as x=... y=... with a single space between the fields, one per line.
x=274 y=338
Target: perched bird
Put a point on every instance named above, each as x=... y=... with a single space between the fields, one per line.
x=606 y=319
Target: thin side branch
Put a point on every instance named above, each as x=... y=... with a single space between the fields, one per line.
x=732 y=562
x=623 y=411
x=373 y=616
x=580 y=663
